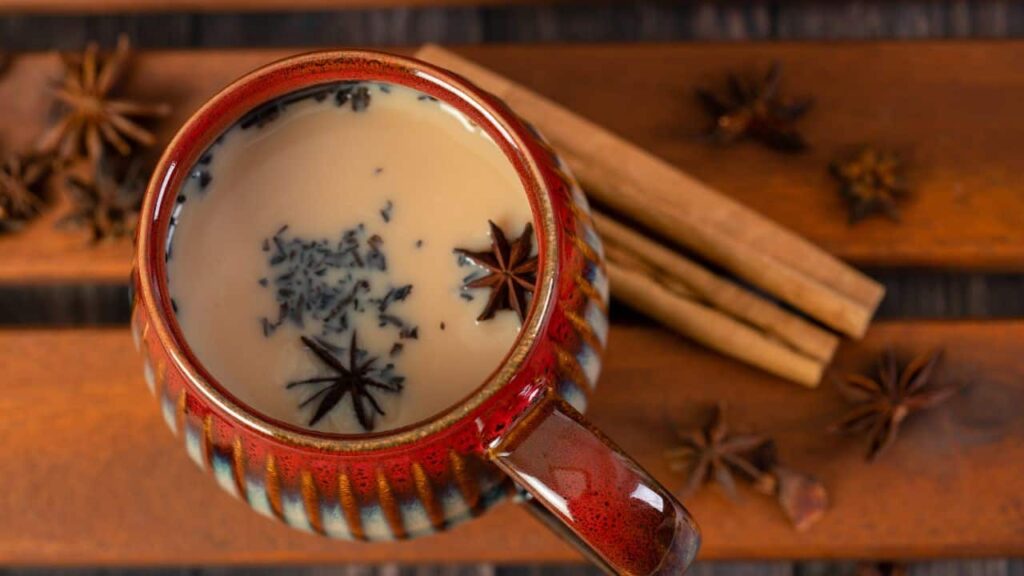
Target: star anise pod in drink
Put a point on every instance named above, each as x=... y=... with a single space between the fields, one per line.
x=511 y=272
x=871 y=181
x=108 y=206
x=752 y=107
x=22 y=196
x=713 y=454
x=883 y=403
x=353 y=380
x=92 y=117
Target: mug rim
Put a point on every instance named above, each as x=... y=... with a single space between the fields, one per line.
x=287 y=75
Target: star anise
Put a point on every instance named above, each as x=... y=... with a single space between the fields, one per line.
x=22 y=197
x=107 y=207
x=711 y=453
x=883 y=403
x=511 y=272
x=871 y=182
x=753 y=108
x=91 y=116
x=5 y=61
x=353 y=379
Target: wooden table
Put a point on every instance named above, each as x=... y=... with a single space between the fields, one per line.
x=93 y=478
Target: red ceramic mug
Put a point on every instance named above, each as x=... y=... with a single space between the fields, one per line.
x=521 y=428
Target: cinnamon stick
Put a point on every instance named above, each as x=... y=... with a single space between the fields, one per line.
x=622 y=245
x=711 y=327
x=688 y=212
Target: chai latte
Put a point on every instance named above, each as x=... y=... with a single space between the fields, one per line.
x=333 y=264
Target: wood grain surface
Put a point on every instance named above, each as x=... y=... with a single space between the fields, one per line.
x=101 y=6
x=93 y=477
x=950 y=107
x=593 y=21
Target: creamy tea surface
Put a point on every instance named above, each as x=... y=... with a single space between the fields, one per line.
x=351 y=257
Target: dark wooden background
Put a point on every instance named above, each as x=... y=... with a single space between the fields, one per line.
x=612 y=21
x=911 y=293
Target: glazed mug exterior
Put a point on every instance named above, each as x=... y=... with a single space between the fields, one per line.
x=523 y=426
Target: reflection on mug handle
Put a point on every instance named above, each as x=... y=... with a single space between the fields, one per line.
x=593 y=494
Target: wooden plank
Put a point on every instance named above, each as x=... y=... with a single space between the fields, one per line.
x=93 y=477
x=950 y=106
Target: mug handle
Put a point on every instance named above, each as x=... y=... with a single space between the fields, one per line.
x=589 y=491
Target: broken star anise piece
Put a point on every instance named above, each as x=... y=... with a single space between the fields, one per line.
x=711 y=453
x=511 y=272
x=753 y=108
x=803 y=498
x=882 y=404
x=22 y=197
x=107 y=207
x=871 y=181
x=353 y=379
x=91 y=117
